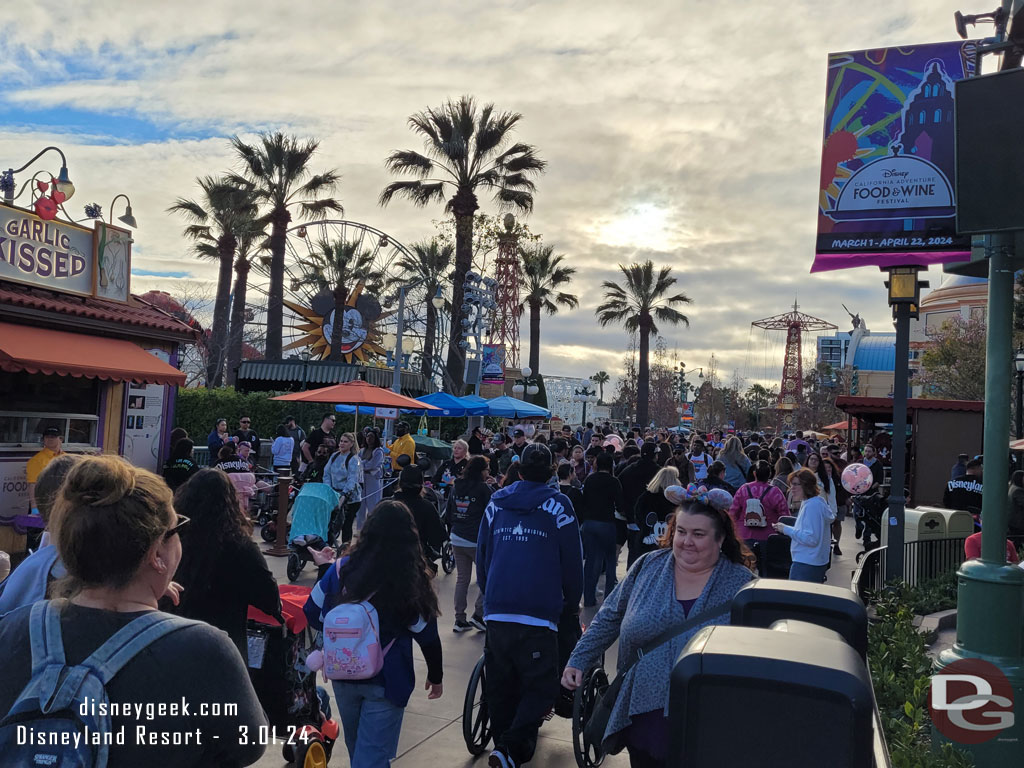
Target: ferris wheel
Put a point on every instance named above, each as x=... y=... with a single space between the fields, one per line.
x=312 y=253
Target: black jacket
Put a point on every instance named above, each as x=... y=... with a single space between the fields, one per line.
x=240 y=578
x=465 y=508
x=428 y=523
x=602 y=496
x=634 y=480
x=650 y=513
x=575 y=496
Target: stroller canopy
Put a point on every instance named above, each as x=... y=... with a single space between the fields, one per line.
x=312 y=509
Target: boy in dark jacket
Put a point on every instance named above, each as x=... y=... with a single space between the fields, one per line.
x=530 y=567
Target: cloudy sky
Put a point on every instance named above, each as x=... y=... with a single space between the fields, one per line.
x=684 y=131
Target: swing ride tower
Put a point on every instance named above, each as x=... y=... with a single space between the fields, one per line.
x=791 y=392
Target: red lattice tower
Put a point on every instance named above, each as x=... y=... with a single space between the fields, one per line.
x=505 y=328
x=791 y=392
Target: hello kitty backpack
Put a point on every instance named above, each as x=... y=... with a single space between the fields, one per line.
x=352 y=642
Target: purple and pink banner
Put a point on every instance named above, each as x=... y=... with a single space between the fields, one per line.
x=887 y=188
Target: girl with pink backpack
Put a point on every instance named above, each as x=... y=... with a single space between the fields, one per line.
x=370 y=605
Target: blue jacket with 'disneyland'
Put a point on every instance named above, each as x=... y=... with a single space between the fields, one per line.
x=529 y=557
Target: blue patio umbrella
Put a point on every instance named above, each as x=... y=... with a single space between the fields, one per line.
x=513 y=408
x=450 y=406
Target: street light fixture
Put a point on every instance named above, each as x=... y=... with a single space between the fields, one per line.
x=584 y=395
x=128 y=218
x=63 y=182
x=438 y=299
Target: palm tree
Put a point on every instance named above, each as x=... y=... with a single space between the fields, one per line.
x=466 y=149
x=223 y=213
x=638 y=305
x=600 y=378
x=277 y=166
x=543 y=273
x=429 y=262
x=337 y=267
x=248 y=245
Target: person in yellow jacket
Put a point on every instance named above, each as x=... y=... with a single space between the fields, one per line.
x=403 y=444
x=52 y=447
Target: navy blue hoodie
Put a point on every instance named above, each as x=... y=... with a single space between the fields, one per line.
x=529 y=557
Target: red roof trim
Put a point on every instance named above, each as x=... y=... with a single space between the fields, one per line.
x=881 y=405
x=134 y=313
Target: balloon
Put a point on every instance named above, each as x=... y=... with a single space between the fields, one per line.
x=857 y=479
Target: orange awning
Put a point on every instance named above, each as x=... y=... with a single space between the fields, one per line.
x=41 y=350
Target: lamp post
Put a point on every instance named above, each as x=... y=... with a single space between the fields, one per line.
x=526 y=385
x=1018 y=362
x=684 y=388
x=64 y=184
x=437 y=300
x=584 y=395
x=478 y=305
x=904 y=298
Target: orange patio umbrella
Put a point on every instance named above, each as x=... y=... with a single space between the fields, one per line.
x=357 y=393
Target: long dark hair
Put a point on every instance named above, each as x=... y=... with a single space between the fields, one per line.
x=371 y=443
x=821 y=472
x=386 y=565
x=733 y=547
x=209 y=499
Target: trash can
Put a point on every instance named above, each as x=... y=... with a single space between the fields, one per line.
x=730 y=678
x=959 y=523
x=762 y=602
x=924 y=523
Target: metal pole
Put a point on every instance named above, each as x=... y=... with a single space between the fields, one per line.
x=1020 y=404
x=990 y=595
x=897 y=500
x=396 y=375
x=997 y=401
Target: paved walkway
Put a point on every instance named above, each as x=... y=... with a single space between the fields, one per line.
x=432 y=730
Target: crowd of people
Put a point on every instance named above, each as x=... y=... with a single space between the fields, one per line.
x=540 y=519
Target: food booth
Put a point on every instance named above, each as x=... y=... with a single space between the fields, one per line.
x=78 y=352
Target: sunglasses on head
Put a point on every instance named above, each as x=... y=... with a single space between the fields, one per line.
x=178 y=526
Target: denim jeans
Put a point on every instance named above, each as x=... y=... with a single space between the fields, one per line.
x=805 y=572
x=598 y=557
x=370 y=722
x=464 y=559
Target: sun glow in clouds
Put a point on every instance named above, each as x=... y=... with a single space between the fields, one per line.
x=641 y=226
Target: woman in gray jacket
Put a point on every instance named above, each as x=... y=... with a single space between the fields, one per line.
x=700 y=568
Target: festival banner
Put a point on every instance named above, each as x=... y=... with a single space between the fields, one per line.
x=886 y=192
x=493 y=364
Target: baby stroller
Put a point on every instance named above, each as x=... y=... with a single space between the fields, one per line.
x=476 y=723
x=316 y=520
x=447 y=554
x=868 y=510
x=297 y=709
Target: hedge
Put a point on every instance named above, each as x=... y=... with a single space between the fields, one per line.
x=197 y=412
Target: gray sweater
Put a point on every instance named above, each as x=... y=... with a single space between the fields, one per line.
x=638 y=609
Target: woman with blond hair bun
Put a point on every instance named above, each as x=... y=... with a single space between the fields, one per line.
x=117 y=535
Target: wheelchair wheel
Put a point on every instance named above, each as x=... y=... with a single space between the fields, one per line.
x=476 y=722
x=447 y=557
x=294 y=567
x=595 y=683
x=269 y=532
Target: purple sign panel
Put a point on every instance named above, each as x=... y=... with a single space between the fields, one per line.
x=886 y=193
